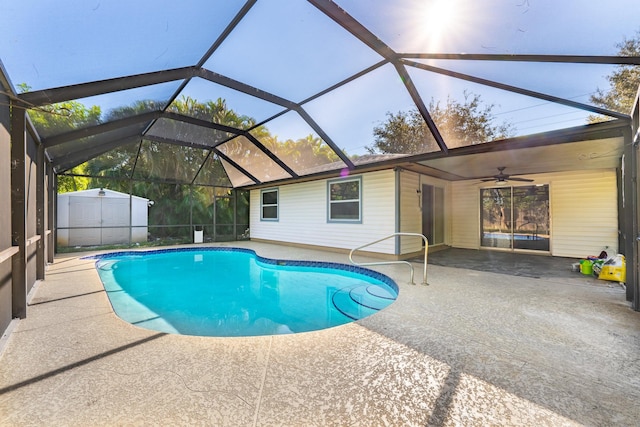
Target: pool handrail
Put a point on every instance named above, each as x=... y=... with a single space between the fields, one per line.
x=426 y=250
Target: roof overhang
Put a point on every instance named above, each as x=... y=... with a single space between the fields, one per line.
x=594 y=146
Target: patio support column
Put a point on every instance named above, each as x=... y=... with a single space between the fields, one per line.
x=131 y=212
x=40 y=214
x=54 y=213
x=51 y=207
x=234 y=199
x=18 y=212
x=626 y=206
x=191 y=227
x=215 y=209
x=632 y=210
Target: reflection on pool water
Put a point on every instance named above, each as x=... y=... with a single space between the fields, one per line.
x=234 y=292
x=516 y=236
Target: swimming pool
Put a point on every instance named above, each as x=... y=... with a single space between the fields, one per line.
x=235 y=292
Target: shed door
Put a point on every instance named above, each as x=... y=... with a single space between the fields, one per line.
x=115 y=221
x=97 y=221
x=84 y=212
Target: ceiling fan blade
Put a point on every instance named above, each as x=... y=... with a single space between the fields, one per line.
x=519 y=179
x=503 y=177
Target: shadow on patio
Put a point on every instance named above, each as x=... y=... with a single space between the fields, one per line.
x=473 y=348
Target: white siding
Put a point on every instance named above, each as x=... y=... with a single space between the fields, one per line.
x=583 y=208
x=303 y=215
x=410 y=213
x=584 y=212
x=465 y=215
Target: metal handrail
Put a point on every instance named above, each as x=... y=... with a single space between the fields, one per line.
x=426 y=250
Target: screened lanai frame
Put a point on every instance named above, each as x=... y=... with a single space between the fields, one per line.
x=240 y=151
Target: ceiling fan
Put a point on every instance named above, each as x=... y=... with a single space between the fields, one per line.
x=503 y=177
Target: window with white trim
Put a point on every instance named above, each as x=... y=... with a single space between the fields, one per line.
x=269 y=205
x=345 y=200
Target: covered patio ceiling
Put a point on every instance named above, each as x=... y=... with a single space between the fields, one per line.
x=582 y=148
x=244 y=93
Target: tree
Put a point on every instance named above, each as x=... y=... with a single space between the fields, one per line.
x=67 y=183
x=460 y=124
x=623 y=82
x=301 y=154
x=404 y=132
x=61 y=117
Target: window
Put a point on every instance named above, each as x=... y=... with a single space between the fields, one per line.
x=345 y=197
x=269 y=205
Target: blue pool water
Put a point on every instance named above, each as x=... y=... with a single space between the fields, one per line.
x=516 y=236
x=234 y=292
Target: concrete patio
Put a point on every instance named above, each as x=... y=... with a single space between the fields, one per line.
x=474 y=349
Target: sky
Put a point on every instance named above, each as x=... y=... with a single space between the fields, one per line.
x=288 y=48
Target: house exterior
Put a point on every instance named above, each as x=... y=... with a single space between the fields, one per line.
x=571 y=208
x=99 y=216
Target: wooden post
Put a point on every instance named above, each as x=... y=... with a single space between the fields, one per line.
x=40 y=214
x=18 y=212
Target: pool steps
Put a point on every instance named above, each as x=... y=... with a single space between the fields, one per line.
x=362 y=300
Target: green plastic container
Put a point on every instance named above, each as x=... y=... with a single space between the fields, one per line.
x=586 y=267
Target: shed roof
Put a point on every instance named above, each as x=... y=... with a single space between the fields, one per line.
x=100 y=192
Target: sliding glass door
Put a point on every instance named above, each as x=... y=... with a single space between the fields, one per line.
x=515 y=217
x=495 y=218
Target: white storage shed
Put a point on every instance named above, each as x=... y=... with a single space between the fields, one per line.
x=101 y=217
